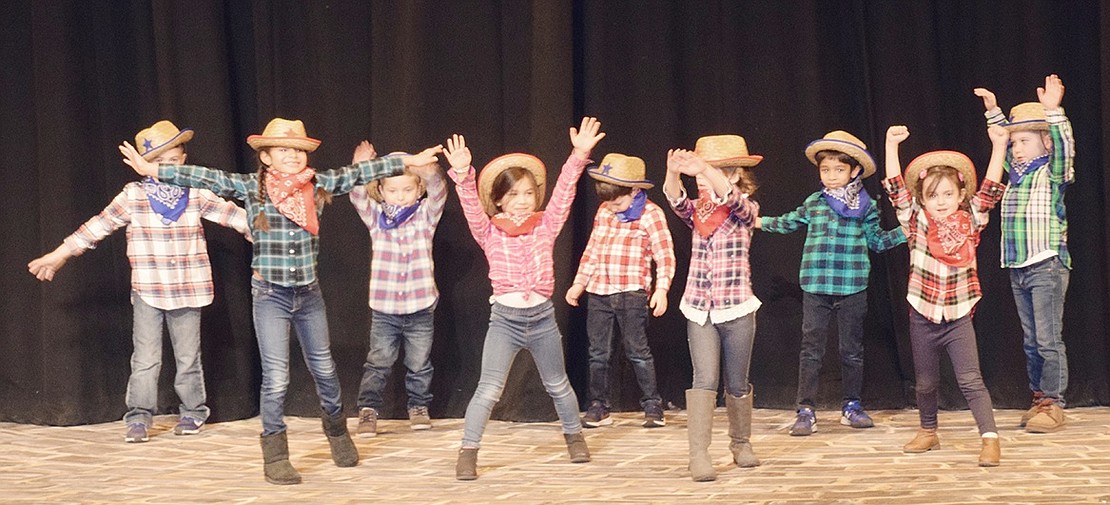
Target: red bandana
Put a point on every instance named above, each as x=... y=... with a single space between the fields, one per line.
x=293 y=196
x=708 y=216
x=951 y=240
x=514 y=225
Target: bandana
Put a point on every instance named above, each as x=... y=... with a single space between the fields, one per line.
x=950 y=239
x=166 y=200
x=393 y=216
x=635 y=210
x=851 y=200
x=1019 y=170
x=292 y=194
x=708 y=216
x=516 y=225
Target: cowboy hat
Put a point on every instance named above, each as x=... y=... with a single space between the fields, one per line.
x=1028 y=116
x=283 y=133
x=502 y=163
x=726 y=151
x=842 y=141
x=159 y=138
x=953 y=159
x=621 y=170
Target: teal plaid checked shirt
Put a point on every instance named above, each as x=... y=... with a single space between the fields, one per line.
x=285 y=255
x=834 y=258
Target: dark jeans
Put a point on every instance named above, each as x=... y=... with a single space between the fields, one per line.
x=957 y=338
x=388 y=333
x=630 y=312
x=817 y=313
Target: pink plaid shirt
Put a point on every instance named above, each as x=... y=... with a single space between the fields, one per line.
x=521 y=264
x=402 y=274
x=618 y=255
x=169 y=263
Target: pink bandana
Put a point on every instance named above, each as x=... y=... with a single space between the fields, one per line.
x=951 y=240
x=293 y=196
x=516 y=225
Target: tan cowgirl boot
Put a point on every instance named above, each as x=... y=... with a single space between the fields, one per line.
x=991 y=452
x=699 y=428
x=925 y=440
x=740 y=428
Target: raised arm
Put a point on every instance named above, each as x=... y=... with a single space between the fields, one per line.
x=458 y=156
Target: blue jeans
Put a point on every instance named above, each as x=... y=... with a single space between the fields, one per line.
x=630 y=311
x=1039 y=291
x=387 y=333
x=276 y=308
x=728 y=344
x=817 y=314
x=146 y=362
x=510 y=330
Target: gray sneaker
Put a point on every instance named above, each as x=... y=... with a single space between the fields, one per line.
x=136 y=432
x=419 y=418
x=367 y=423
x=187 y=426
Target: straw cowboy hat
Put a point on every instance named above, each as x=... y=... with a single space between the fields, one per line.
x=621 y=170
x=1028 y=116
x=502 y=163
x=953 y=159
x=283 y=133
x=726 y=151
x=159 y=138
x=840 y=140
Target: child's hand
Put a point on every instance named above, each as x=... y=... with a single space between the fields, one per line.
x=896 y=134
x=425 y=157
x=689 y=163
x=758 y=222
x=133 y=159
x=573 y=293
x=457 y=154
x=998 y=135
x=44 y=267
x=658 y=302
x=425 y=171
x=1052 y=92
x=989 y=101
x=364 y=152
x=586 y=137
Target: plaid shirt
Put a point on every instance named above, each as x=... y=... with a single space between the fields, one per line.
x=520 y=264
x=402 y=274
x=1034 y=219
x=938 y=291
x=834 y=259
x=169 y=263
x=719 y=282
x=618 y=255
x=285 y=255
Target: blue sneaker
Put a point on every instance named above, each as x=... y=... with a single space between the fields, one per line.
x=136 y=432
x=852 y=414
x=596 y=415
x=187 y=426
x=805 y=424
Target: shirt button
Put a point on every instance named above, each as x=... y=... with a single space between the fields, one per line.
x=292 y=251
x=173 y=262
x=291 y=234
x=292 y=269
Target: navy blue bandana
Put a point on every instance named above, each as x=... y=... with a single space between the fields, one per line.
x=635 y=210
x=393 y=216
x=167 y=200
x=851 y=200
x=1019 y=170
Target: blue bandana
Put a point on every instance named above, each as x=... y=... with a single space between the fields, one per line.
x=166 y=200
x=393 y=216
x=635 y=210
x=1018 y=170
x=851 y=200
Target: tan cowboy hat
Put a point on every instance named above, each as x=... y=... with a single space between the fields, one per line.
x=840 y=140
x=726 y=151
x=1028 y=116
x=953 y=159
x=284 y=133
x=621 y=170
x=502 y=163
x=159 y=138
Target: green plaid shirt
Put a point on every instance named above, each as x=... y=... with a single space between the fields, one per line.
x=834 y=259
x=285 y=255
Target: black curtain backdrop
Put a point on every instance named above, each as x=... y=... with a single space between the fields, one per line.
x=80 y=77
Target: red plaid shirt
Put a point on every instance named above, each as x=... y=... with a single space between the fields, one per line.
x=169 y=263
x=618 y=255
x=938 y=291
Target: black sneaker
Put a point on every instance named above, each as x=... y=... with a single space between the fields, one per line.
x=597 y=415
x=653 y=415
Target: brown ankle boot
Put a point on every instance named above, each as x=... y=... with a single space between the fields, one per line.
x=1049 y=418
x=991 y=452
x=576 y=447
x=275 y=458
x=466 y=468
x=924 y=440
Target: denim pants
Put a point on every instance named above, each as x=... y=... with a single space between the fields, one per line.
x=276 y=309
x=510 y=330
x=146 y=362
x=727 y=345
x=817 y=313
x=957 y=338
x=1039 y=291
x=630 y=312
x=388 y=332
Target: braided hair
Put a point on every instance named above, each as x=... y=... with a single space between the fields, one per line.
x=322 y=197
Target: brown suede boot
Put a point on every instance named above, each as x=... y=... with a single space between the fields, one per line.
x=576 y=446
x=991 y=452
x=1049 y=418
x=1028 y=414
x=699 y=429
x=343 y=450
x=740 y=428
x=466 y=467
x=275 y=458
x=924 y=440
